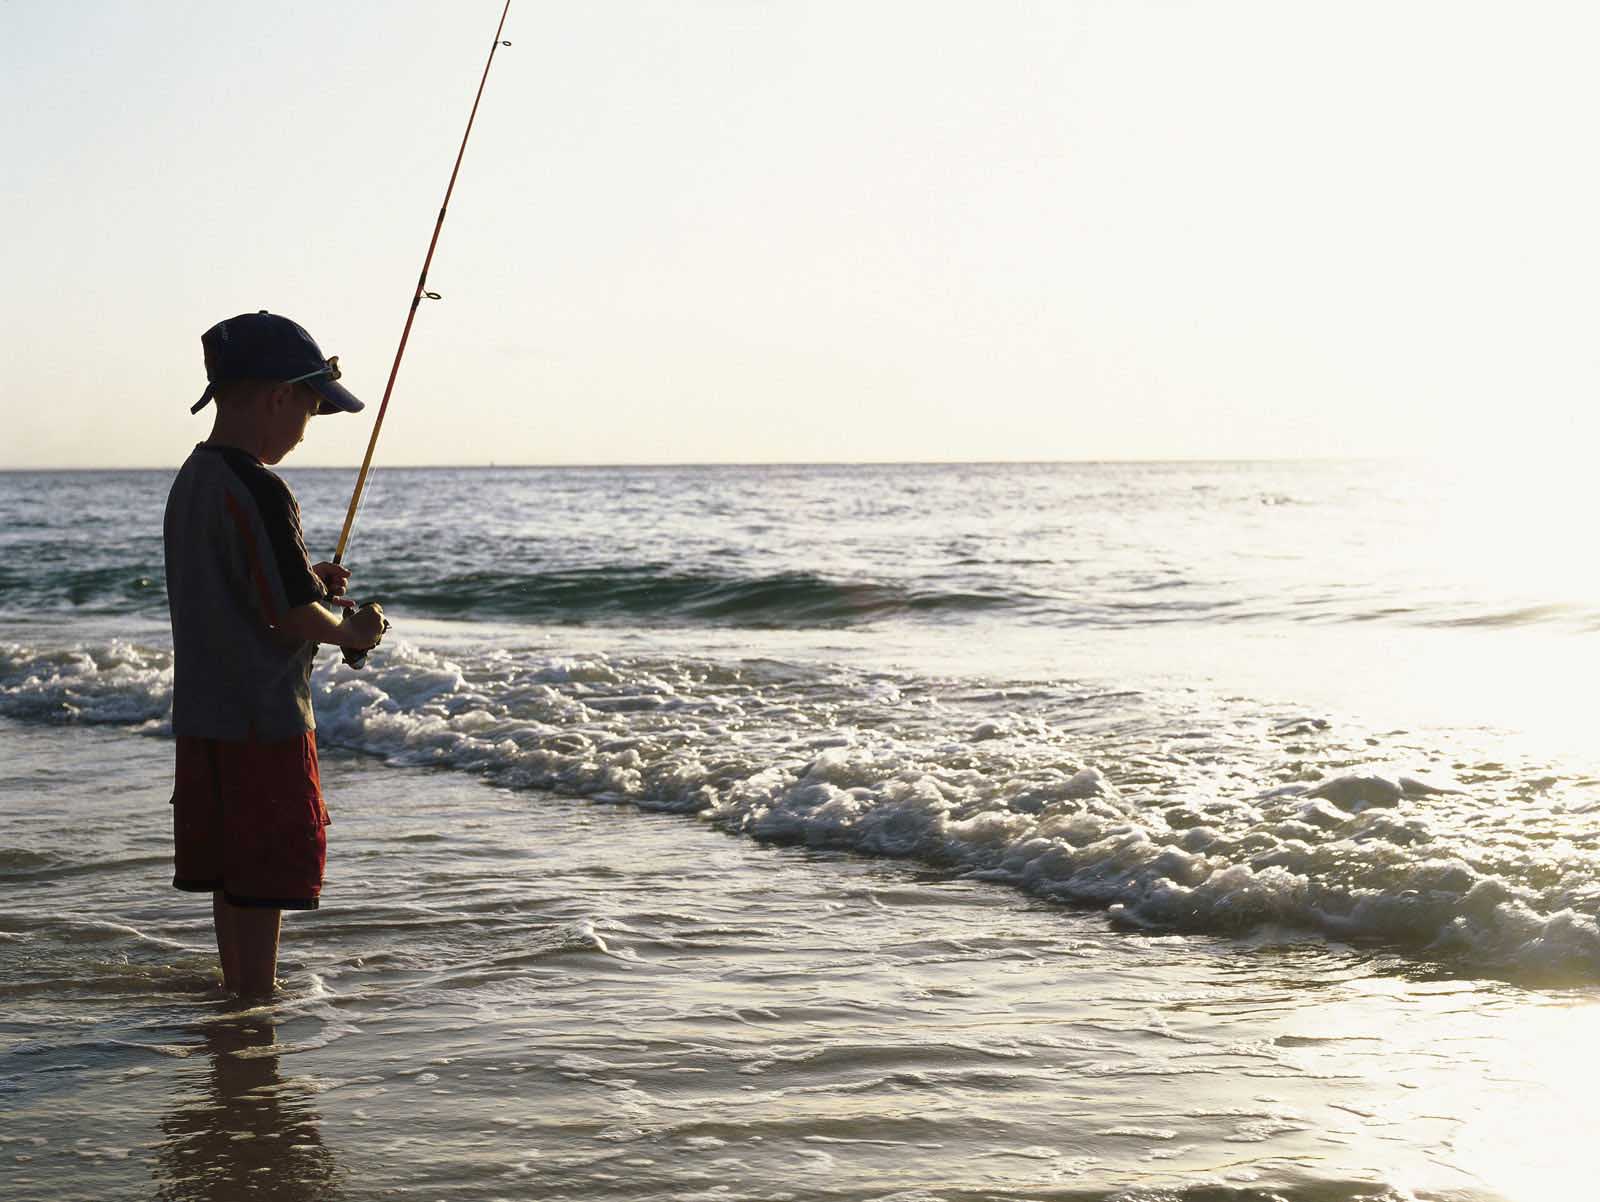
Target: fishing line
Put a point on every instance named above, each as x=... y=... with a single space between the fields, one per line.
x=420 y=295
x=367 y=493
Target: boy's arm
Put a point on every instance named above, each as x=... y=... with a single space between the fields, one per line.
x=311 y=623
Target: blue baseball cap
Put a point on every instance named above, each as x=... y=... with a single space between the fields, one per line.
x=264 y=346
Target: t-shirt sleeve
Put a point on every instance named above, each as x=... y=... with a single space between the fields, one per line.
x=300 y=583
x=274 y=549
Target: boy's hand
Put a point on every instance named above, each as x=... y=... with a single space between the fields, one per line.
x=335 y=578
x=368 y=625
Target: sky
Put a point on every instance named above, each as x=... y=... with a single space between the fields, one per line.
x=805 y=230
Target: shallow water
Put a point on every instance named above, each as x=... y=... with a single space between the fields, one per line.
x=516 y=997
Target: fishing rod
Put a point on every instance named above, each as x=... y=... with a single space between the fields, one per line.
x=405 y=333
x=417 y=298
x=421 y=294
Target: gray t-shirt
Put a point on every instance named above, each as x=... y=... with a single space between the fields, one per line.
x=236 y=564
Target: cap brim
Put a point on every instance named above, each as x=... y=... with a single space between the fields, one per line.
x=336 y=398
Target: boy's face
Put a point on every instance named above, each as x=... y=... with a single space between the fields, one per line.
x=290 y=409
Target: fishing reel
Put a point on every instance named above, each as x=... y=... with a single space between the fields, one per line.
x=358 y=659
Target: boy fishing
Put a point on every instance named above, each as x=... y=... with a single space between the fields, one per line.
x=249 y=610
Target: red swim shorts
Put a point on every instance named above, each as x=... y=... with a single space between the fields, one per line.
x=248 y=821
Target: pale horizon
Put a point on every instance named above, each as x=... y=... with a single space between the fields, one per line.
x=291 y=464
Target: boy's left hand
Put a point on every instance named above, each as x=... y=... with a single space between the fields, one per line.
x=334 y=578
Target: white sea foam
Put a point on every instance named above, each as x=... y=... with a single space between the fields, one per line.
x=115 y=682
x=975 y=782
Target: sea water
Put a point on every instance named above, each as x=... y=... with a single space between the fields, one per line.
x=1139 y=831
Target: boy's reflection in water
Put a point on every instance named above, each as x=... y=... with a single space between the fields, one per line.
x=247 y=1134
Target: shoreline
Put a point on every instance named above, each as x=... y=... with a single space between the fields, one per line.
x=506 y=993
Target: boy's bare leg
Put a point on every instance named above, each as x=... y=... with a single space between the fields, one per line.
x=247 y=942
x=227 y=944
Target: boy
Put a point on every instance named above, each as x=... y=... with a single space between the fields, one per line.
x=248 y=611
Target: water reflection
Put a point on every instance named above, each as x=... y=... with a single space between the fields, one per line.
x=247 y=1133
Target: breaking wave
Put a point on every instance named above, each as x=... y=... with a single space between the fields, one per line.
x=784 y=599
x=1090 y=797
x=650 y=592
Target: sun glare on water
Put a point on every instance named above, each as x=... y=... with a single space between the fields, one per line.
x=1519 y=529
x=1528 y=1132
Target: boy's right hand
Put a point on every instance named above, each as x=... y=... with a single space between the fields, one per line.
x=367 y=625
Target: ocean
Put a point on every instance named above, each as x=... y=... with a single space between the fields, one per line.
x=1150 y=832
